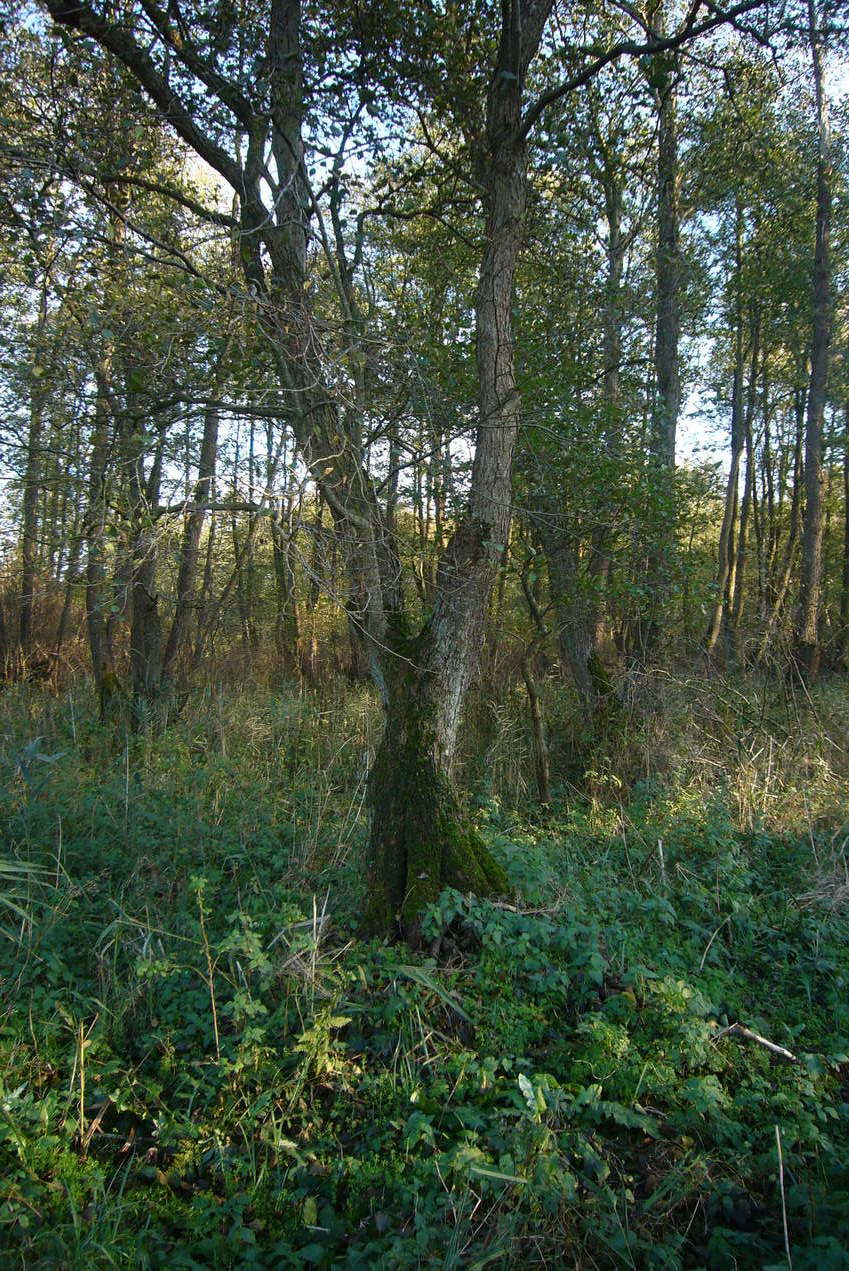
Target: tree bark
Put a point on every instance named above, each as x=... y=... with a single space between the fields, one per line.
x=781 y=587
x=203 y=494
x=95 y=526
x=722 y=603
x=145 y=625
x=843 y=638
x=421 y=841
x=29 y=516
x=32 y=478
x=808 y=651
x=286 y=626
x=663 y=75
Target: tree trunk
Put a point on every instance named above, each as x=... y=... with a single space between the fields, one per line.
x=71 y=580
x=32 y=477
x=808 y=652
x=29 y=516
x=94 y=529
x=843 y=640
x=748 y=506
x=575 y=614
x=738 y=573
x=193 y=528
x=205 y=598
x=146 y=625
x=286 y=635
x=782 y=585
x=420 y=840
x=662 y=74
x=722 y=603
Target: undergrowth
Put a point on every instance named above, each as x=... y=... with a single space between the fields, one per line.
x=201 y=1065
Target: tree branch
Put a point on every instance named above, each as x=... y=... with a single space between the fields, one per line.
x=633 y=48
x=81 y=17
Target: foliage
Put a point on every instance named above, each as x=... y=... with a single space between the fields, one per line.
x=202 y=1066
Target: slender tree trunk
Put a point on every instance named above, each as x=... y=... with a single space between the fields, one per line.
x=663 y=75
x=71 y=581
x=726 y=535
x=204 y=493
x=95 y=526
x=146 y=625
x=286 y=628
x=539 y=733
x=4 y=644
x=748 y=506
x=843 y=643
x=32 y=480
x=205 y=598
x=575 y=625
x=782 y=585
x=738 y=593
x=808 y=652
x=29 y=517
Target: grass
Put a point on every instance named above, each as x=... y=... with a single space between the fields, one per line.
x=201 y=1065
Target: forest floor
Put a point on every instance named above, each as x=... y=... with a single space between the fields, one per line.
x=202 y=1065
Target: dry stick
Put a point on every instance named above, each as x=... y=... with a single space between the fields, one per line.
x=210 y=980
x=740 y=1030
x=710 y=942
x=783 y=1200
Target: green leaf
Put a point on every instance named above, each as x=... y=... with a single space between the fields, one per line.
x=419 y=976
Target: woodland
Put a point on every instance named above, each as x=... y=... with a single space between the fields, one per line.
x=424 y=634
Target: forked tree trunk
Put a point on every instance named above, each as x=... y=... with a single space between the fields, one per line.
x=421 y=840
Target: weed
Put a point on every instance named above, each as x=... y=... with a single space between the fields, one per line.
x=201 y=1066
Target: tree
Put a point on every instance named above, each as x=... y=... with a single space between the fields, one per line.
x=248 y=92
x=808 y=650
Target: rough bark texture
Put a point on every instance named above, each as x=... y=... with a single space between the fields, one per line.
x=422 y=841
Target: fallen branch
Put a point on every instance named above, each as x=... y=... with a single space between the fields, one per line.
x=740 y=1030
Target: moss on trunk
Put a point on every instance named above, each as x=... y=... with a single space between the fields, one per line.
x=421 y=839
